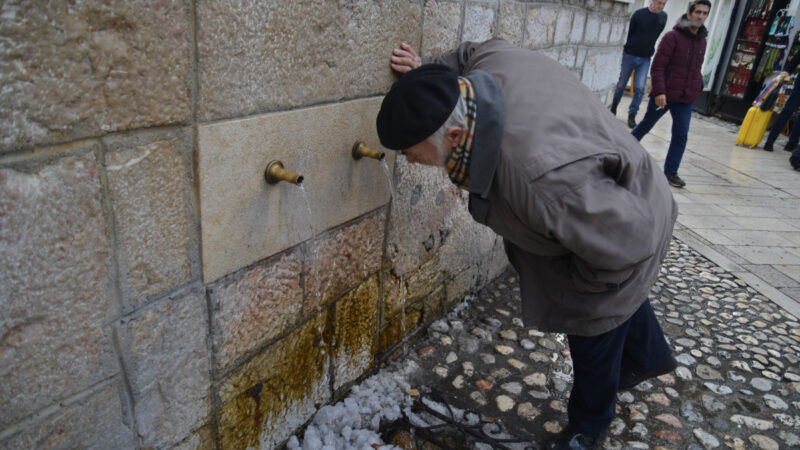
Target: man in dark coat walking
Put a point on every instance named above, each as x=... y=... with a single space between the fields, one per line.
x=585 y=215
x=676 y=83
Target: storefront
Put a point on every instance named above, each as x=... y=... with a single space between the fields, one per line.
x=748 y=40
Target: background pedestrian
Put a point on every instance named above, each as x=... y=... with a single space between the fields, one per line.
x=676 y=83
x=645 y=26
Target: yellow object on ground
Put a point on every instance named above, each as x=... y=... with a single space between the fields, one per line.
x=753 y=128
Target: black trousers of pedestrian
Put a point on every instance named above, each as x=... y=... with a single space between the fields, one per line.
x=638 y=345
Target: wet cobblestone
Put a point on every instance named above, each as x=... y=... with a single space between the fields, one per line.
x=736 y=385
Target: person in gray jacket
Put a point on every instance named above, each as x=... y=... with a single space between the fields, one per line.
x=585 y=214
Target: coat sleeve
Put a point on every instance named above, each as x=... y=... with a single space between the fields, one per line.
x=659 y=67
x=607 y=229
x=456 y=59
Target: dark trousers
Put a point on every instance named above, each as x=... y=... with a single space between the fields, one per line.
x=791 y=105
x=638 y=345
x=681 y=116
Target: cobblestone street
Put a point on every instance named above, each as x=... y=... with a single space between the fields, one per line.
x=727 y=298
x=736 y=385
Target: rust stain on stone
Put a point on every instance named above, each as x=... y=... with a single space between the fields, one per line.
x=268 y=388
x=357 y=318
x=392 y=333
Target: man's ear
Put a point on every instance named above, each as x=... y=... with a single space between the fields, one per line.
x=453 y=136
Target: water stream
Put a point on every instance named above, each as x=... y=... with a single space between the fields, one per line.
x=403 y=289
x=389 y=179
x=313 y=267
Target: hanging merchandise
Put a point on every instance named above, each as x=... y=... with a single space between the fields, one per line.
x=775 y=46
x=759 y=49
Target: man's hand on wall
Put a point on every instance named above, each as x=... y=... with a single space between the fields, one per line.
x=405 y=58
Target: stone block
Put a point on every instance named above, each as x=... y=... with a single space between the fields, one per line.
x=396 y=328
x=580 y=57
x=479 y=22
x=567 y=57
x=434 y=304
x=202 y=439
x=440 y=26
x=93 y=421
x=563 y=26
x=540 y=26
x=72 y=70
x=465 y=282
x=243 y=219
x=152 y=195
x=55 y=283
x=399 y=293
x=497 y=264
x=426 y=279
x=600 y=68
x=617 y=34
x=591 y=34
x=343 y=259
x=254 y=307
x=512 y=22
x=463 y=242
x=258 y=56
x=355 y=329
x=264 y=401
x=425 y=198
x=167 y=362
x=578 y=26
x=605 y=29
x=552 y=52
x=607 y=6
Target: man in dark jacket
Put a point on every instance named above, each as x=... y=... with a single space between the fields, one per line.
x=585 y=215
x=676 y=83
x=645 y=26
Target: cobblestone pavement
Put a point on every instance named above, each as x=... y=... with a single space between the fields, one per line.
x=736 y=385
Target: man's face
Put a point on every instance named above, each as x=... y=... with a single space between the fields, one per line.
x=656 y=6
x=698 y=16
x=427 y=154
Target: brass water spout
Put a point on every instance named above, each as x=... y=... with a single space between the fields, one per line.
x=360 y=150
x=276 y=173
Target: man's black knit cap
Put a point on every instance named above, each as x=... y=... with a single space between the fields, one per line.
x=417 y=105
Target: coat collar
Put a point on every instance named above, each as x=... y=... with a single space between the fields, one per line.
x=488 y=132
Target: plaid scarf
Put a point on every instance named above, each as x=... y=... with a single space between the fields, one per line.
x=458 y=163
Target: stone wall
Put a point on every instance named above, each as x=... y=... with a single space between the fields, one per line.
x=155 y=291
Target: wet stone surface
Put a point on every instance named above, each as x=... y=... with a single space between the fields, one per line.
x=736 y=385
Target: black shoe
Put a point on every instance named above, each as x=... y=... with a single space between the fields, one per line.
x=631 y=120
x=572 y=440
x=675 y=180
x=628 y=380
x=795 y=162
x=768 y=146
x=613 y=108
x=788 y=148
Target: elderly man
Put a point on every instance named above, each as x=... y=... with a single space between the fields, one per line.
x=585 y=215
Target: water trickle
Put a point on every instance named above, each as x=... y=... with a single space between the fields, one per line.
x=389 y=178
x=403 y=292
x=313 y=267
